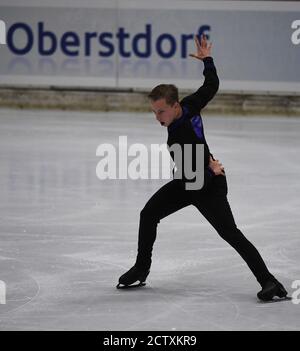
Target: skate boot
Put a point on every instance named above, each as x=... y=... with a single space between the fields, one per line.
x=271 y=289
x=133 y=275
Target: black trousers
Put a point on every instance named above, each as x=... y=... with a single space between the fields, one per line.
x=212 y=202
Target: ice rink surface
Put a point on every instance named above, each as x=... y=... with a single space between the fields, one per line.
x=67 y=236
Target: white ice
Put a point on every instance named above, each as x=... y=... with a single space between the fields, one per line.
x=66 y=236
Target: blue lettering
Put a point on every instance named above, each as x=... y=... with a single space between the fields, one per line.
x=122 y=35
x=10 y=42
x=202 y=30
x=141 y=45
x=184 y=40
x=67 y=40
x=172 y=46
x=88 y=37
x=147 y=37
x=41 y=41
x=107 y=44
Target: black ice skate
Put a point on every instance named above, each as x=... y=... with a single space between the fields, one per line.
x=133 y=275
x=273 y=289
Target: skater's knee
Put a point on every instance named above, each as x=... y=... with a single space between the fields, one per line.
x=231 y=234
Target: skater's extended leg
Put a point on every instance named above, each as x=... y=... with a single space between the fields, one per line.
x=215 y=208
x=168 y=199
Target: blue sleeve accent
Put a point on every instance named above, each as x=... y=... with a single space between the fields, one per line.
x=198 y=127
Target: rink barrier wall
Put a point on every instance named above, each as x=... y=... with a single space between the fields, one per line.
x=124 y=44
x=137 y=101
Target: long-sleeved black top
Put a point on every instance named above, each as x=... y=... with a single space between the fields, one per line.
x=188 y=129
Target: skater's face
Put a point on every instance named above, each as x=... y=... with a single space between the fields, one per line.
x=165 y=113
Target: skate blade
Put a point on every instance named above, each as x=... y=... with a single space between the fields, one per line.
x=120 y=286
x=277 y=299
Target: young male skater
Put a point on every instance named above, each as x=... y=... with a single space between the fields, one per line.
x=185 y=126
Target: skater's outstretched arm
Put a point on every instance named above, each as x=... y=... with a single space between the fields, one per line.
x=207 y=91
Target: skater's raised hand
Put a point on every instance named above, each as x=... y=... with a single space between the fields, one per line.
x=216 y=167
x=203 y=48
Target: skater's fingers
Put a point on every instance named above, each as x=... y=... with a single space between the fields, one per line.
x=197 y=42
x=203 y=41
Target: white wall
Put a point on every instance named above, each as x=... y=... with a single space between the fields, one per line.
x=137 y=44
